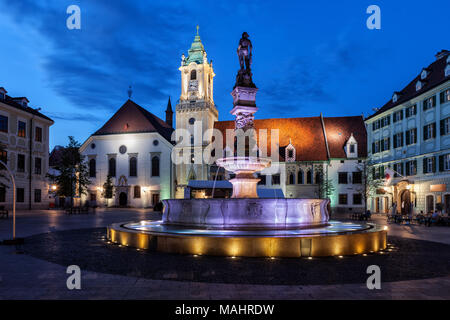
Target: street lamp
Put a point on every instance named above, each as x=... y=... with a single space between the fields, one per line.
x=14 y=203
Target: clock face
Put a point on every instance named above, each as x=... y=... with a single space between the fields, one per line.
x=193 y=85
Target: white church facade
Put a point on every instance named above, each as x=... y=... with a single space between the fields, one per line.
x=134 y=149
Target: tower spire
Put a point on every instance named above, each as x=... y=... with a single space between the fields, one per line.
x=197 y=29
x=169 y=113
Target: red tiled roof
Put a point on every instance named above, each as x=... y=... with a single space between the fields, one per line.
x=435 y=77
x=132 y=118
x=339 y=130
x=307 y=136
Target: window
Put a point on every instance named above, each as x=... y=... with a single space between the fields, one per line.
x=276 y=179
x=262 y=181
x=2 y=194
x=375 y=125
x=445 y=96
x=133 y=167
x=192 y=140
x=112 y=167
x=430 y=204
x=357 y=198
x=137 y=192
x=38 y=134
x=429 y=165
x=300 y=177
x=155 y=166
x=352 y=148
x=398 y=116
x=445 y=126
x=411 y=136
x=429 y=131
x=37 y=195
x=92 y=168
x=191 y=121
x=4 y=156
x=398 y=140
x=411 y=168
x=22 y=129
x=342 y=198
x=357 y=177
x=444 y=162
x=398 y=167
x=290 y=153
x=318 y=177
x=376 y=147
x=3 y=124
x=429 y=103
x=383 y=122
x=411 y=111
x=343 y=178
x=385 y=144
x=309 y=177
x=20 y=163
x=20 y=195
x=37 y=165
x=291 y=178
x=193 y=75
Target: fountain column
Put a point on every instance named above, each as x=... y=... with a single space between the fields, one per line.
x=243 y=164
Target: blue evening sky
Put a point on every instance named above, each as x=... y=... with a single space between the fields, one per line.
x=309 y=56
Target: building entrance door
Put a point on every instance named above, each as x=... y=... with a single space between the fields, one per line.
x=123 y=199
x=155 y=198
x=405 y=202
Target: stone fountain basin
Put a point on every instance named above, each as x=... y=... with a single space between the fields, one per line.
x=246 y=214
x=243 y=164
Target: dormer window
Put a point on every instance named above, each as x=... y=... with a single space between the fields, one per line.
x=447 y=70
x=351 y=147
x=424 y=74
x=395 y=98
x=290 y=153
x=418 y=85
x=23 y=101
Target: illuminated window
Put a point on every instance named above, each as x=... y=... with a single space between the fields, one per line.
x=22 y=128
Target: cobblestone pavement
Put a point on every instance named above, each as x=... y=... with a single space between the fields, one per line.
x=25 y=277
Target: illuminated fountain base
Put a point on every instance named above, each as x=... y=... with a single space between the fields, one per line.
x=337 y=238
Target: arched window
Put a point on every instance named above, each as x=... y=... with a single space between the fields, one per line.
x=309 y=177
x=192 y=139
x=133 y=167
x=137 y=192
x=318 y=177
x=155 y=166
x=300 y=177
x=92 y=169
x=193 y=75
x=112 y=167
x=291 y=178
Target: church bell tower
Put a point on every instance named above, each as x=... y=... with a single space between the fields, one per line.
x=195 y=109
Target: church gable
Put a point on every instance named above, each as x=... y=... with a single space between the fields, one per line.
x=132 y=118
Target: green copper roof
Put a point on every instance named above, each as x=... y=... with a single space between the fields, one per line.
x=195 y=53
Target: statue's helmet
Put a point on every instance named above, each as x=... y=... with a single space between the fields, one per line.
x=245 y=35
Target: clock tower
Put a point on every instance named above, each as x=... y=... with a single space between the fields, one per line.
x=195 y=110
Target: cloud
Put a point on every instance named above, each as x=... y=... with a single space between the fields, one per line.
x=83 y=117
x=120 y=43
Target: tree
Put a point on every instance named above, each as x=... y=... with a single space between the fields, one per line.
x=108 y=189
x=73 y=177
x=326 y=187
x=369 y=183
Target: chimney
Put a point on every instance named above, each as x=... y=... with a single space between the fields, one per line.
x=442 y=54
x=169 y=114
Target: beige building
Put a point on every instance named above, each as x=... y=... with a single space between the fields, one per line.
x=24 y=135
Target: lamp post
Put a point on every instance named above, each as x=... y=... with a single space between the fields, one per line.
x=14 y=198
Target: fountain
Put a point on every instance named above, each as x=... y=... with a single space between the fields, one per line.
x=245 y=225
